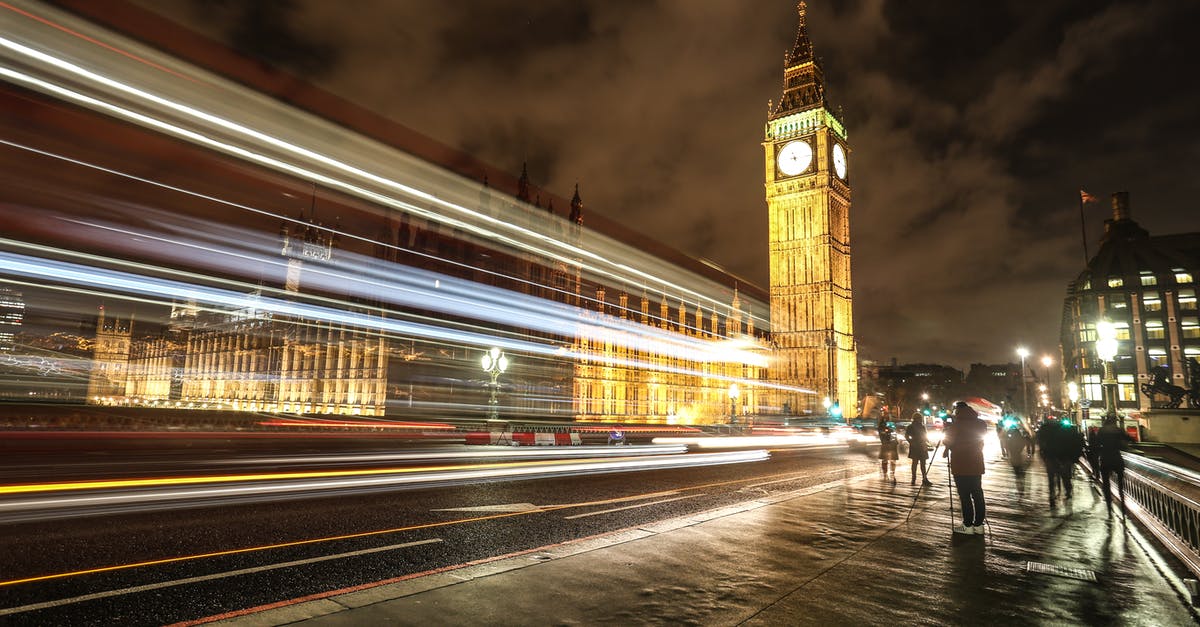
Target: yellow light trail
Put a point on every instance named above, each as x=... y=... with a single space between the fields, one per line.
x=365 y=534
x=34 y=488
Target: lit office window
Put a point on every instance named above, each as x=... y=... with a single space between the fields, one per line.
x=1190 y=325
x=1187 y=299
x=1154 y=330
x=1126 y=387
x=1151 y=301
x=1092 y=388
x=1116 y=281
x=1182 y=275
x=1148 y=278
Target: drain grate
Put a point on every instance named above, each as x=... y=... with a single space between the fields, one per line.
x=1081 y=574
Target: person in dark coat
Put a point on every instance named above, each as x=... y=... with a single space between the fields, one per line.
x=918 y=448
x=1047 y=441
x=889 y=449
x=1067 y=449
x=1110 y=441
x=964 y=445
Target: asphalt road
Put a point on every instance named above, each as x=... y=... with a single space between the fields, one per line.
x=174 y=565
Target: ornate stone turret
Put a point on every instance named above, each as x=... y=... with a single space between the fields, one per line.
x=523 y=184
x=576 y=207
x=803 y=80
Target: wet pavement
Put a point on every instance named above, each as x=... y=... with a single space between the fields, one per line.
x=838 y=554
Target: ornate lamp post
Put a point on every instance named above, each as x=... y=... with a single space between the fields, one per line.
x=734 y=392
x=494 y=362
x=1047 y=361
x=1022 y=352
x=1073 y=396
x=1106 y=350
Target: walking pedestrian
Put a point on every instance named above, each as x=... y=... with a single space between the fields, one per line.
x=1047 y=440
x=918 y=448
x=889 y=449
x=1110 y=441
x=1067 y=449
x=1016 y=441
x=964 y=445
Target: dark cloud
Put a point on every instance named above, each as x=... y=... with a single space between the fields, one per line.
x=972 y=125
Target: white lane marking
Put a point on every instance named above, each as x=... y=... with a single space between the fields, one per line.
x=530 y=507
x=180 y=582
x=617 y=509
x=505 y=507
x=620 y=499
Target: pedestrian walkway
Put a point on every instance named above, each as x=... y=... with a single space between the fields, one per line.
x=839 y=554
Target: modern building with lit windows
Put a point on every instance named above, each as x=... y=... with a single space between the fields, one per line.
x=1146 y=287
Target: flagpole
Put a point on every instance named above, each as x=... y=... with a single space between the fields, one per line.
x=1083 y=230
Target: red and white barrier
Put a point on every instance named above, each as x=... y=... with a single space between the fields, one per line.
x=523 y=438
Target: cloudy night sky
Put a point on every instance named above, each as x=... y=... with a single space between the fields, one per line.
x=972 y=128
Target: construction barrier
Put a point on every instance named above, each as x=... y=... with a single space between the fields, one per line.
x=522 y=438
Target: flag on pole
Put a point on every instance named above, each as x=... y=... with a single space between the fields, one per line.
x=1085 y=197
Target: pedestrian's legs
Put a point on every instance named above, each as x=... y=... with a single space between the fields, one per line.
x=924 y=470
x=963 y=485
x=914 y=471
x=1120 y=472
x=1051 y=477
x=883 y=468
x=1105 y=475
x=1066 y=469
x=976 y=493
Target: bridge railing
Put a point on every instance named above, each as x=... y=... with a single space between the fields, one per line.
x=1166 y=500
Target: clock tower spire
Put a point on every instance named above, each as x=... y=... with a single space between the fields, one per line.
x=808 y=204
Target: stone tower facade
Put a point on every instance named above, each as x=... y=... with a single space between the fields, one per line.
x=808 y=200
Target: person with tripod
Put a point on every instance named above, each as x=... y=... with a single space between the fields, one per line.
x=918 y=448
x=964 y=446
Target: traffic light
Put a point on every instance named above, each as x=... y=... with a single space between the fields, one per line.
x=835 y=410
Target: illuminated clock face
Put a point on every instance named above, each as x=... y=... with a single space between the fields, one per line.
x=839 y=161
x=795 y=158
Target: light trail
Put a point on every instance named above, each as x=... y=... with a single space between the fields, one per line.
x=116 y=283
x=506 y=454
x=403 y=286
x=88 y=498
x=313 y=541
x=236 y=101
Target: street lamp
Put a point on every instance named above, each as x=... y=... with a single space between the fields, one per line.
x=734 y=392
x=1106 y=350
x=494 y=362
x=1046 y=363
x=1022 y=352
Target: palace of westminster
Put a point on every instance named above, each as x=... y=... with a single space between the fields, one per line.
x=254 y=360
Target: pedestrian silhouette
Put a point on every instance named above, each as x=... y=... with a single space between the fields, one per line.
x=1111 y=439
x=964 y=446
x=918 y=448
x=889 y=449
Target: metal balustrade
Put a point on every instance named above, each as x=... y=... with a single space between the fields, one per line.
x=1166 y=500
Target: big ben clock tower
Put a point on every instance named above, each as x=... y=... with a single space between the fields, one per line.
x=808 y=199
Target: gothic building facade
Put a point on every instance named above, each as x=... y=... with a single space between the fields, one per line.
x=256 y=360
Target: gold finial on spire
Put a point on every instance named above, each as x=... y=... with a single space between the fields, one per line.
x=801 y=8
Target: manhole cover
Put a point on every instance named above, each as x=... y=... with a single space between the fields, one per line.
x=1081 y=574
